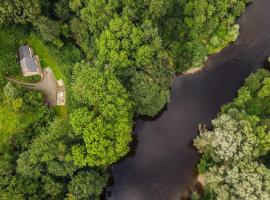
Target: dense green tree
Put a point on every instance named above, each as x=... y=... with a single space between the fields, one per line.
x=87 y=185
x=96 y=14
x=236 y=136
x=242 y=181
x=50 y=30
x=138 y=59
x=48 y=149
x=104 y=120
x=45 y=163
x=23 y=11
x=12 y=97
x=81 y=35
x=148 y=95
x=254 y=96
x=207 y=26
x=141 y=9
x=9 y=39
x=62 y=10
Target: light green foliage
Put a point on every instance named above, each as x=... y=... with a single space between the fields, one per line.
x=18 y=110
x=236 y=136
x=9 y=122
x=240 y=136
x=117 y=45
x=12 y=97
x=104 y=122
x=75 y=4
x=195 y=196
x=124 y=36
x=249 y=181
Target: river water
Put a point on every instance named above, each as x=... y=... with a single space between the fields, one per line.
x=163 y=161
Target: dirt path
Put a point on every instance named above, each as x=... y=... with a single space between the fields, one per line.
x=48 y=86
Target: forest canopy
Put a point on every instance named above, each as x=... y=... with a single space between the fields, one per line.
x=117 y=59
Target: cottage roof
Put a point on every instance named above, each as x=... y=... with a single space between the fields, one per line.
x=25 y=51
x=29 y=64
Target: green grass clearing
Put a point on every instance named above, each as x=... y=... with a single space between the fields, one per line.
x=61 y=111
x=46 y=58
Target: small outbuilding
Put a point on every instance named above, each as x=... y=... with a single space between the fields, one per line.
x=61 y=98
x=29 y=63
x=61 y=93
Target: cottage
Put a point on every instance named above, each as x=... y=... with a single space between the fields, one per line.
x=29 y=63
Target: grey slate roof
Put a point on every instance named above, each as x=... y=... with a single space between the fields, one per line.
x=24 y=51
x=27 y=60
x=30 y=64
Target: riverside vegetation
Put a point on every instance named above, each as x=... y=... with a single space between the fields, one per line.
x=117 y=58
x=235 y=153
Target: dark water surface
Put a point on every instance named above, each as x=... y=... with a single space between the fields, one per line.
x=164 y=159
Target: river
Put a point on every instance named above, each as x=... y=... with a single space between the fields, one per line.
x=163 y=161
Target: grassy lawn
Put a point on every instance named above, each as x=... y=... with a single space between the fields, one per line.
x=46 y=58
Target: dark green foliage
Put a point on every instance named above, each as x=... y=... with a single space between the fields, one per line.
x=23 y=11
x=62 y=10
x=207 y=26
x=50 y=30
x=80 y=34
x=148 y=95
x=9 y=39
x=254 y=96
x=87 y=185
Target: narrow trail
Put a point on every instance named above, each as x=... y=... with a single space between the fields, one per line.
x=24 y=84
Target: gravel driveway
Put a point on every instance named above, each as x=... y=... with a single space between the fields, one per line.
x=48 y=86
